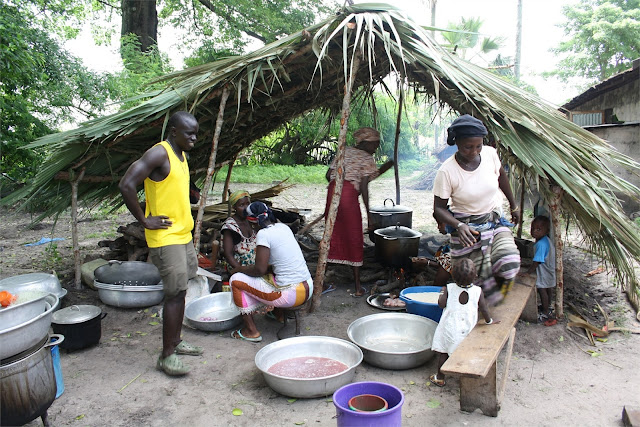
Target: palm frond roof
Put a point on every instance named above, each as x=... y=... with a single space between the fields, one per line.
x=308 y=70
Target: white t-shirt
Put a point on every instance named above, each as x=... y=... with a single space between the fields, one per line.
x=285 y=255
x=471 y=192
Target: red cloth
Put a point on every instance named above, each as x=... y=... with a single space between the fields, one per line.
x=347 y=240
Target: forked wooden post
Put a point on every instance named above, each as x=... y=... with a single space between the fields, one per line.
x=74 y=227
x=323 y=254
x=212 y=161
x=554 y=207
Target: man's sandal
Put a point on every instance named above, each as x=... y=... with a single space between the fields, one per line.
x=434 y=380
x=172 y=365
x=188 y=349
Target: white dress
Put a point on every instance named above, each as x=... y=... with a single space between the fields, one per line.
x=457 y=319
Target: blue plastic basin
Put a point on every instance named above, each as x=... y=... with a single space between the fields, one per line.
x=432 y=311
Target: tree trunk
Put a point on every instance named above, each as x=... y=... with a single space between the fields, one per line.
x=518 y=41
x=140 y=17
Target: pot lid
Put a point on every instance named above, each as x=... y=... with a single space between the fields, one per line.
x=75 y=314
x=390 y=209
x=397 y=231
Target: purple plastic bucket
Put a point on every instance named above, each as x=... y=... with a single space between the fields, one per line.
x=346 y=417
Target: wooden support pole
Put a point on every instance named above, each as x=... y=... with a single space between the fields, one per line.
x=395 y=146
x=74 y=227
x=225 y=190
x=323 y=254
x=554 y=208
x=212 y=161
x=522 y=182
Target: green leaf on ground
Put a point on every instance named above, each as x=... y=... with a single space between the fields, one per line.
x=299 y=423
x=79 y=417
x=291 y=400
x=561 y=338
x=433 y=403
x=154 y=323
x=237 y=412
x=412 y=383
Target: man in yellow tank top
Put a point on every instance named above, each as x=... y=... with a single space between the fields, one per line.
x=167 y=224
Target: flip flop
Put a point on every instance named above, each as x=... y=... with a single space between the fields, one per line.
x=272 y=316
x=330 y=288
x=365 y=291
x=550 y=322
x=188 y=349
x=434 y=380
x=172 y=365
x=238 y=336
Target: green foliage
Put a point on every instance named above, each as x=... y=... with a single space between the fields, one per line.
x=52 y=257
x=261 y=174
x=465 y=38
x=312 y=138
x=42 y=88
x=603 y=38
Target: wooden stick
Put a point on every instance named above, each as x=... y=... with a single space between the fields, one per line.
x=337 y=191
x=225 y=190
x=306 y=228
x=554 y=207
x=395 y=146
x=521 y=207
x=74 y=227
x=212 y=161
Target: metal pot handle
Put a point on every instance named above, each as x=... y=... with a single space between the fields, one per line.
x=387 y=237
x=103 y=315
x=385 y=202
x=115 y=261
x=58 y=340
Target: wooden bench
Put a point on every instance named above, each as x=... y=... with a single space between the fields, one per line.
x=474 y=362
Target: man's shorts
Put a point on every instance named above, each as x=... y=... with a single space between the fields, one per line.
x=177 y=264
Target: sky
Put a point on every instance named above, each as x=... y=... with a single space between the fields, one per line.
x=539 y=34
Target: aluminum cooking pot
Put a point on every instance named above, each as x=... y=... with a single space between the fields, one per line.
x=38 y=282
x=130 y=273
x=28 y=386
x=385 y=216
x=395 y=245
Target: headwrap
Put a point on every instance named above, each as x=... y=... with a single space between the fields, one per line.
x=258 y=212
x=237 y=195
x=366 y=134
x=465 y=127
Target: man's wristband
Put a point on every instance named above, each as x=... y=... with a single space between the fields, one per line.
x=458 y=225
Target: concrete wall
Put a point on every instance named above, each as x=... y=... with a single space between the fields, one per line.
x=624 y=100
x=625 y=139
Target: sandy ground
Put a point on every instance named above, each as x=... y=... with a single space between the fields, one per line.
x=555 y=377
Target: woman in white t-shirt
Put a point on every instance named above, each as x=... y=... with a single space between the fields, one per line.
x=467 y=197
x=279 y=278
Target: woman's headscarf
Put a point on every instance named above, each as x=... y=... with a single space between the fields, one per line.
x=366 y=134
x=258 y=212
x=237 y=195
x=465 y=127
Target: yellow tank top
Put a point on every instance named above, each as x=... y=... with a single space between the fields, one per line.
x=170 y=197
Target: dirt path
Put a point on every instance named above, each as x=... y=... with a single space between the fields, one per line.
x=553 y=378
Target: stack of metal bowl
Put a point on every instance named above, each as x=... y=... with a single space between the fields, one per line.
x=34 y=282
x=129 y=284
x=23 y=325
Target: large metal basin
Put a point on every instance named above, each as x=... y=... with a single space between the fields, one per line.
x=314 y=346
x=393 y=340
x=129 y=296
x=130 y=273
x=213 y=312
x=25 y=335
x=22 y=312
x=38 y=282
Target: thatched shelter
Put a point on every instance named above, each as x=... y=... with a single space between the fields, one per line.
x=315 y=69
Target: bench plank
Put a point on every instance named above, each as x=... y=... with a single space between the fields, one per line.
x=477 y=354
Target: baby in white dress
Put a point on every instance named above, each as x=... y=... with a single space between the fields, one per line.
x=460 y=301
